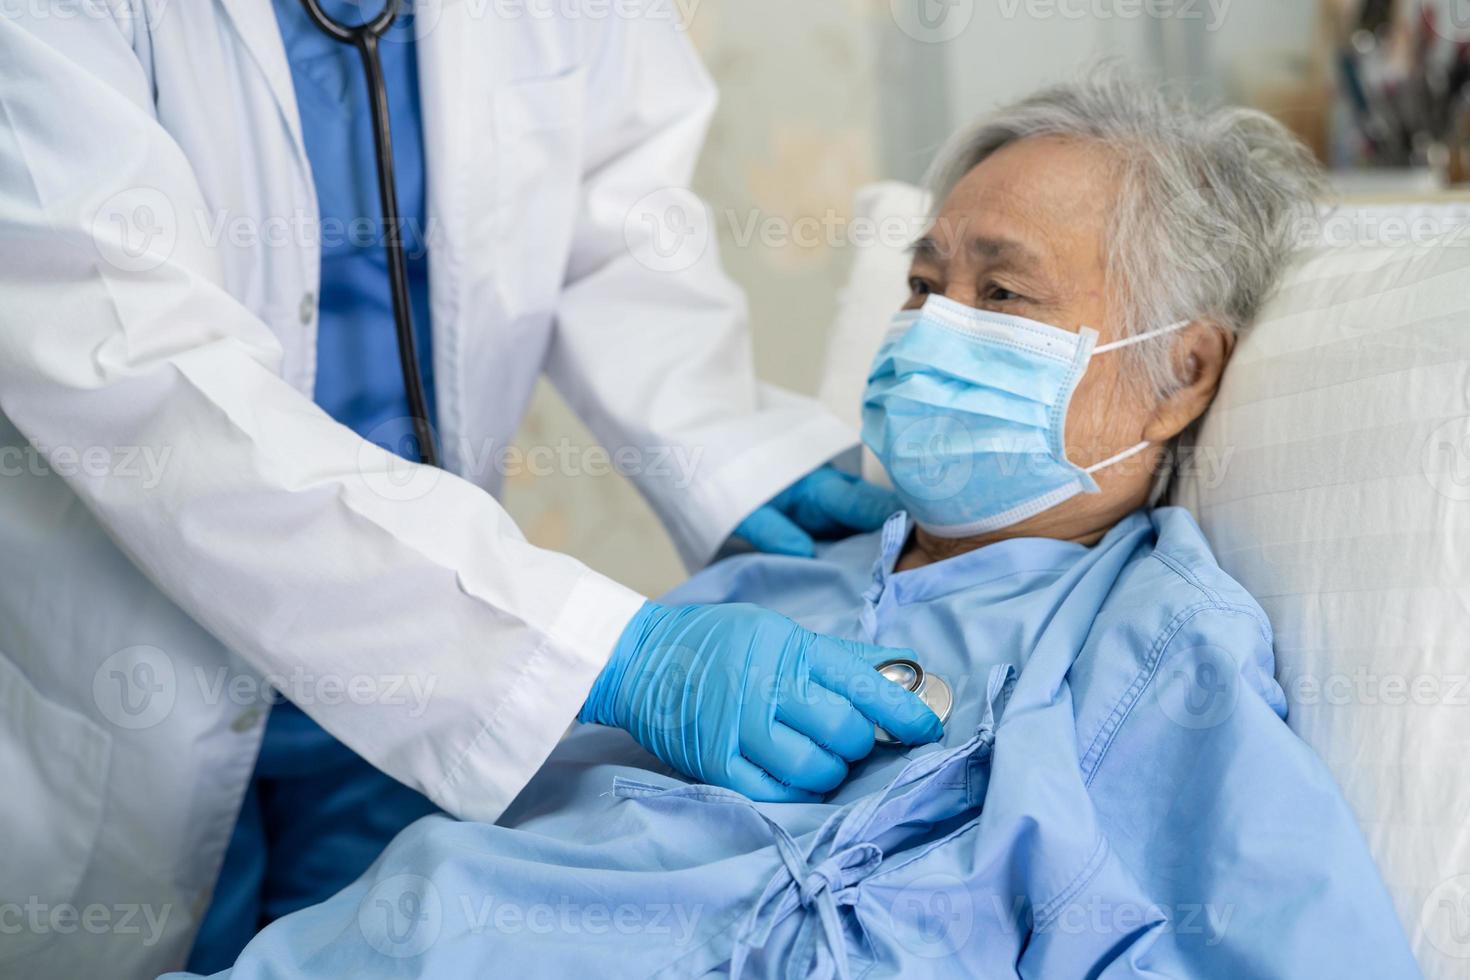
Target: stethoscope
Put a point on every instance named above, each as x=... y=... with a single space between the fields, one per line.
x=930 y=688
x=365 y=37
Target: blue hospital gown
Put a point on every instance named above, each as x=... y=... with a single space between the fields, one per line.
x=1116 y=795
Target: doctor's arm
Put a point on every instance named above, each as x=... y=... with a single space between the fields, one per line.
x=300 y=546
x=651 y=346
x=274 y=527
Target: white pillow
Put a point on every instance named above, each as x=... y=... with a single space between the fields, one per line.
x=1332 y=477
x=1336 y=489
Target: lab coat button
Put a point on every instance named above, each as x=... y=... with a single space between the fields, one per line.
x=308 y=307
x=246 y=720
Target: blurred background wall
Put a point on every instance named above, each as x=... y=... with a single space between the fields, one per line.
x=794 y=137
x=820 y=97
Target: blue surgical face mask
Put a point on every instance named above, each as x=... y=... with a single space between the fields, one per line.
x=966 y=410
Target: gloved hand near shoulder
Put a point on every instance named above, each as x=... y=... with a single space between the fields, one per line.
x=826 y=503
x=741 y=697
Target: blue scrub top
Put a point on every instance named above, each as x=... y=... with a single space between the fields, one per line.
x=359 y=381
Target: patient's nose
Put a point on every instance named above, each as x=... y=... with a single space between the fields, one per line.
x=965 y=293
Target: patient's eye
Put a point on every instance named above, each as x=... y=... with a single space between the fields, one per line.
x=919 y=287
x=995 y=293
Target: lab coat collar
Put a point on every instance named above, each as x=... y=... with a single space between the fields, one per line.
x=447 y=70
x=255 y=22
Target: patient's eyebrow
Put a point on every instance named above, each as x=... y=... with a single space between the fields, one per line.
x=994 y=249
x=926 y=249
x=1004 y=250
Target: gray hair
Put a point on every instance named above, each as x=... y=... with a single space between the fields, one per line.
x=1208 y=207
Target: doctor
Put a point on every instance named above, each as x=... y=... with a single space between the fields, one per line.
x=199 y=392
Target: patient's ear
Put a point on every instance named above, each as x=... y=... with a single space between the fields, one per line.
x=1200 y=355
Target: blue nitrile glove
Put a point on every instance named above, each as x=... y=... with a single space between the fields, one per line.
x=826 y=503
x=741 y=697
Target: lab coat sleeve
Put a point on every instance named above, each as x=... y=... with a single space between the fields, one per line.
x=293 y=541
x=651 y=346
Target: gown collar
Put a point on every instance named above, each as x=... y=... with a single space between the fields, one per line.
x=965 y=570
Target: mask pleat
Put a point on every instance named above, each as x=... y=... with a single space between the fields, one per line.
x=941 y=353
x=958 y=400
x=964 y=410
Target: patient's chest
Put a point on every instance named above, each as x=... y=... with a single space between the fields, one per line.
x=960 y=617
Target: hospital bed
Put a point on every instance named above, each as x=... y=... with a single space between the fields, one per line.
x=1332 y=477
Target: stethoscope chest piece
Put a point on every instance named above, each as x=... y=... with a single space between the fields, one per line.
x=932 y=689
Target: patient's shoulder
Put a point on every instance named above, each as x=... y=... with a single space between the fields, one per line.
x=1184 y=559
x=1173 y=612
x=1174 y=598
x=1173 y=594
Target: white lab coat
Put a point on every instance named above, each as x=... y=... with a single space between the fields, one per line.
x=188 y=521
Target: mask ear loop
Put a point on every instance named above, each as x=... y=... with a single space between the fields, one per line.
x=1128 y=342
x=1118 y=457
x=1140 y=338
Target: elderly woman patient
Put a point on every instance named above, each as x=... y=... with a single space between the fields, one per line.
x=1116 y=793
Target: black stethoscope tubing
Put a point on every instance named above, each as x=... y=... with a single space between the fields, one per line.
x=365 y=37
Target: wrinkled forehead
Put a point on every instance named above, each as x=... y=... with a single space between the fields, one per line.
x=1042 y=202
